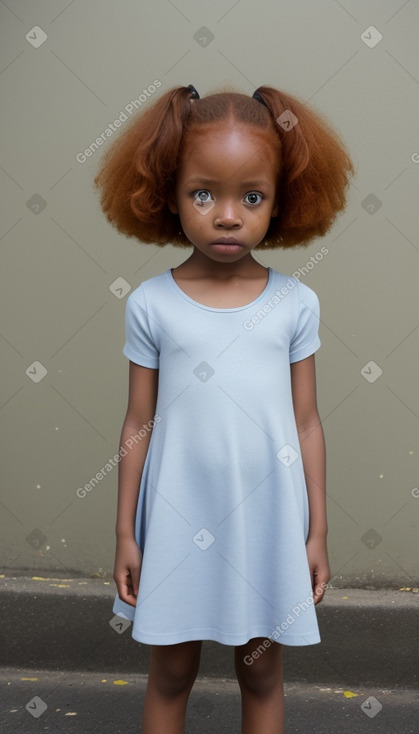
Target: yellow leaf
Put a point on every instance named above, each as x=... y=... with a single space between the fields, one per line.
x=44 y=578
x=350 y=694
x=120 y=682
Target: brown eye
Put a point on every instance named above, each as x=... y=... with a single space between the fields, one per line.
x=203 y=195
x=254 y=198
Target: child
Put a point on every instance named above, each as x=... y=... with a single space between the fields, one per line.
x=221 y=524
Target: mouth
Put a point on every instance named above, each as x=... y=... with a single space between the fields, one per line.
x=227 y=241
x=227 y=245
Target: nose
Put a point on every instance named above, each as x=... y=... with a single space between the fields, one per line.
x=227 y=215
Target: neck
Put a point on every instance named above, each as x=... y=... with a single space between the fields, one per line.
x=198 y=265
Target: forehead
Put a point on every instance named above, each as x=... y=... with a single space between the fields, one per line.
x=238 y=147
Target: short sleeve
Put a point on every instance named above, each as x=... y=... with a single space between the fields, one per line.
x=139 y=345
x=305 y=340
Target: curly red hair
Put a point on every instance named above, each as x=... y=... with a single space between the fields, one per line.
x=137 y=174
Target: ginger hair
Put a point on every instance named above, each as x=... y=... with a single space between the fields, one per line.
x=137 y=173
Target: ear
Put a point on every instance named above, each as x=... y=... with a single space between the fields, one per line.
x=171 y=203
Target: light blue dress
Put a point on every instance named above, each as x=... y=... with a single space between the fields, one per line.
x=223 y=515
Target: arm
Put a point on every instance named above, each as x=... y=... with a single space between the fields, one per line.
x=311 y=438
x=141 y=409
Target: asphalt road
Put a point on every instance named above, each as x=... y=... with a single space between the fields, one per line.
x=89 y=703
x=66 y=667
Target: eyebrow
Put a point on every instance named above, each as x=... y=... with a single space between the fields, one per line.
x=249 y=184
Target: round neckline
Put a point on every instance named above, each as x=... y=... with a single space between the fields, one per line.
x=213 y=308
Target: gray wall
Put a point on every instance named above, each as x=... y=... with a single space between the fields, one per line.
x=60 y=259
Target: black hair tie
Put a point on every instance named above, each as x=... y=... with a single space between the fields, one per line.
x=257 y=96
x=194 y=93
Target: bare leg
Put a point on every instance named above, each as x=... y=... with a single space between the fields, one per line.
x=262 y=688
x=173 y=670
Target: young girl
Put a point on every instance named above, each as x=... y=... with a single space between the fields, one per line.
x=221 y=525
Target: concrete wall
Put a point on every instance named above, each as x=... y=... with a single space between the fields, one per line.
x=64 y=378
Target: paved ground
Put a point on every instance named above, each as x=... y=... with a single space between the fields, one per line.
x=93 y=703
x=66 y=667
x=368 y=637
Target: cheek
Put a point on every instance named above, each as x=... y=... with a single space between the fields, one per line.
x=194 y=217
x=193 y=221
x=261 y=219
x=198 y=228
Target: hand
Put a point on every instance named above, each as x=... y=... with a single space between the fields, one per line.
x=319 y=566
x=128 y=558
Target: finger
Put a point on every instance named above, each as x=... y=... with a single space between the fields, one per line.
x=125 y=589
x=128 y=597
x=135 y=575
x=319 y=589
x=132 y=583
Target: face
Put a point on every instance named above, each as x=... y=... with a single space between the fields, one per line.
x=225 y=191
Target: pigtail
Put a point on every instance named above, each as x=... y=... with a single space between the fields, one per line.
x=136 y=174
x=315 y=171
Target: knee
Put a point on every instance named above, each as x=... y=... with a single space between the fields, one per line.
x=174 y=682
x=260 y=671
x=257 y=682
x=174 y=677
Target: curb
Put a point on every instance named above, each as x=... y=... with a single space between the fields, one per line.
x=64 y=624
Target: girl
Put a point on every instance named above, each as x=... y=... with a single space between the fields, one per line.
x=221 y=524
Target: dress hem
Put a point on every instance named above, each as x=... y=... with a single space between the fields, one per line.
x=312 y=638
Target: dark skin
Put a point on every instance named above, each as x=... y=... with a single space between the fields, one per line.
x=225 y=187
x=239 y=202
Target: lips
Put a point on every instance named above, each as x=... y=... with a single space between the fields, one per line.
x=227 y=241
x=227 y=246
